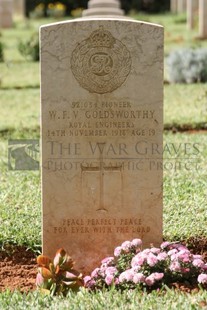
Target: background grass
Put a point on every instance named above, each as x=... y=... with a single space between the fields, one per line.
x=185 y=191
x=108 y=300
x=185 y=105
x=21 y=109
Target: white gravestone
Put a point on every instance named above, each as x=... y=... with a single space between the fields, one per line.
x=6 y=13
x=174 y=6
x=203 y=19
x=102 y=127
x=19 y=7
x=181 y=6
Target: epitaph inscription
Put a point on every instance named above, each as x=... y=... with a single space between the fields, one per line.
x=101 y=95
x=101 y=63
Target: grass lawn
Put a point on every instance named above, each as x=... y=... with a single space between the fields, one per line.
x=106 y=300
x=185 y=106
x=185 y=171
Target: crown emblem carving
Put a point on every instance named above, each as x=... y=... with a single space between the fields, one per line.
x=101 y=38
x=101 y=63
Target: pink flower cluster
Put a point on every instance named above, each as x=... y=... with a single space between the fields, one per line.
x=150 y=267
x=105 y=274
x=127 y=247
x=131 y=275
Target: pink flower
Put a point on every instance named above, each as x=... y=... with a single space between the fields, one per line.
x=175 y=266
x=117 y=251
x=162 y=256
x=109 y=279
x=136 y=243
x=138 y=278
x=39 y=279
x=95 y=273
x=102 y=271
x=126 y=275
x=138 y=260
x=165 y=244
x=198 y=263
x=173 y=257
x=86 y=279
x=177 y=246
x=126 y=246
x=111 y=271
x=155 y=250
x=136 y=268
x=197 y=256
x=107 y=260
x=150 y=280
x=146 y=251
x=202 y=278
x=157 y=275
x=171 y=252
x=152 y=260
x=181 y=247
x=183 y=256
x=88 y=282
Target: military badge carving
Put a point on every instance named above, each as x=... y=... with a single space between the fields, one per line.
x=101 y=63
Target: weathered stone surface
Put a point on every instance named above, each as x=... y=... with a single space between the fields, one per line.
x=101 y=96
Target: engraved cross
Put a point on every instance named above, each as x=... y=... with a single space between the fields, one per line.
x=101 y=168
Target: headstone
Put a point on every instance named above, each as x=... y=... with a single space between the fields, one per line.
x=103 y=7
x=192 y=9
x=19 y=7
x=101 y=97
x=203 y=19
x=173 y=6
x=181 y=6
x=6 y=13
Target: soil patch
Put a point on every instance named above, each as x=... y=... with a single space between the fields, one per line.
x=18 y=268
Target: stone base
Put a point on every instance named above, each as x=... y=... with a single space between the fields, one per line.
x=102 y=11
x=103 y=4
